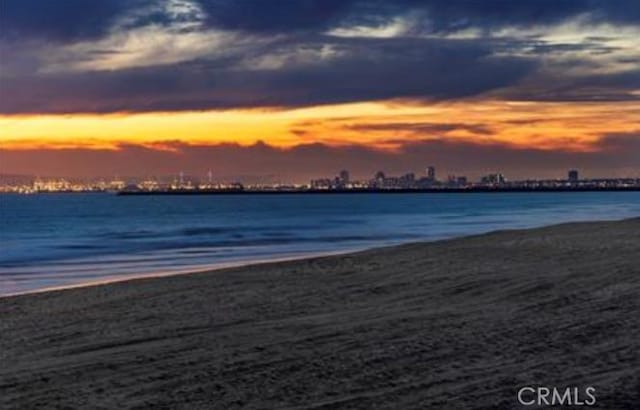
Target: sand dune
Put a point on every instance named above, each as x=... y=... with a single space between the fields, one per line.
x=453 y=324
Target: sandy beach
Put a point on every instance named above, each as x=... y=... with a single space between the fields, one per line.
x=461 y=323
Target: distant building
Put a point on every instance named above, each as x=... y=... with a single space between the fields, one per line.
x=117 y=184
x=462 y=181
x=148 y=185
x=379 y=179
x=431 y=173
x=323 y=183
x=344 y=177
x=573 y=175
x=410 y=177
x=493 y=179
x=407 y=181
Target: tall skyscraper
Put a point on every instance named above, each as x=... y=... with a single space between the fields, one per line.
x=344 y=177
x=573 y=175
x=431 y=173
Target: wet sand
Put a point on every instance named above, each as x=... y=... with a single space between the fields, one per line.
x=462 y=323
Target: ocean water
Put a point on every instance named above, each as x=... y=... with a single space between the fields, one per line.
x=57 y=240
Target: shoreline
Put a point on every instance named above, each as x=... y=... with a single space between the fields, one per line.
x=189 y=271
x=216 y=267
x=455 y=323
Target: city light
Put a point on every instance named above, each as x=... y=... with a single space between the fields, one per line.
x=343 y=182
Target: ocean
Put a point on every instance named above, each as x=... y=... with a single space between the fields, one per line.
x=59 y=240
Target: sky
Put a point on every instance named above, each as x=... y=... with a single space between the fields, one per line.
x=296 y=89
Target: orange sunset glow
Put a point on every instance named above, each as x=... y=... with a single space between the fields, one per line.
x=376 y=124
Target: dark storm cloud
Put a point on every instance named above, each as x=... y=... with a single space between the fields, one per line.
x=456 y=14
x=614 y=155
x=71 y=19
x=450 y=15
x=373 y=69
x=61 y=20
x=612 y=87
x=275 y=16
x=38 y=74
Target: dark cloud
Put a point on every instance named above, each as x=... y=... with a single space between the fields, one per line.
x=61 y=20
x=275 y=16
x=554 y=86
x=626 y=145
x=454 y=15
x=73 y=19
x=418 y=65
x=443 y=16
x=425 y=128
x=614 y=155
x=373 y=69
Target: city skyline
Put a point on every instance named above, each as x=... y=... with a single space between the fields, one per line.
x=148 y=87
x=430 y=172
x=428 y=181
